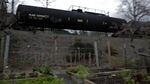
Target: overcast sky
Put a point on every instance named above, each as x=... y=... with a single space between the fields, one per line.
x=106 y=5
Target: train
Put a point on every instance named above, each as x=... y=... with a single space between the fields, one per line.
x=64 y=19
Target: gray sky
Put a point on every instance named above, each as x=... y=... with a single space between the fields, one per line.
x=106 y=5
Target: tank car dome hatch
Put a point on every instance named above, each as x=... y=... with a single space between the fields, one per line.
x=78 y=10
x=62 y=19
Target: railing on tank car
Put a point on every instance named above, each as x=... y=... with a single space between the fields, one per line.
x=85 y=9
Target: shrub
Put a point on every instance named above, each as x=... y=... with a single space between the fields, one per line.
x=5 y=82
x=42 y=80
x=43 y=69
x=80 y=70
x=22 y=75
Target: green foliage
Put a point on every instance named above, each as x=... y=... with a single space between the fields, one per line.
x=43 y=69
x=48 y=80
x=127 y=76
x=5 y=82
x=130 y=81
x=24 y=82
x=81 y=71
x=131 y=62
x=124 y=74
x=148 y=78
x=22 y=75
x=40 y=80
x=57 y=81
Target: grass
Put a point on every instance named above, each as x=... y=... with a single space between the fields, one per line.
x=39 y=80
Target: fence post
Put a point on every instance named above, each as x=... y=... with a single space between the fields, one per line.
x=2 y=53
x=6 y=52
x=56 y=60
x=109 y=51
x=125 y=53
x=2 y=47
x=96 y=54
x=90 y=59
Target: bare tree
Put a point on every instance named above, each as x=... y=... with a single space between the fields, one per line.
x=12 y=5
x=135 y=10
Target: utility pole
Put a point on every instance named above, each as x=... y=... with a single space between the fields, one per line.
x=12 y=6
x=3 y=11
x=47 y=3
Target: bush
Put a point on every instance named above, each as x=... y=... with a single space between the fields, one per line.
x=43 y=69
x=5 y=82
x=40 y=80
x=22 y=75
x=81 y=71
x=127 y=76
x=49 y=80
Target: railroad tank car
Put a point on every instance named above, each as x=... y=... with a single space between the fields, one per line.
x=63 y=19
